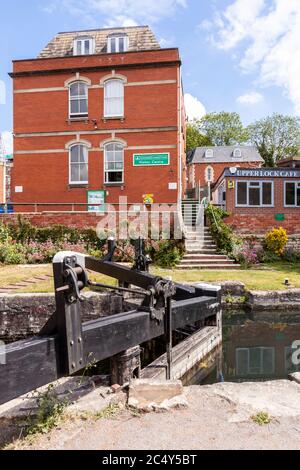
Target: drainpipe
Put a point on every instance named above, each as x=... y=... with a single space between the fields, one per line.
x=179 y=99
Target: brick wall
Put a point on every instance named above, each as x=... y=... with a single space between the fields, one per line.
x=218 y=168
x=86 y=220
x=258 y=220
x=2 y=182
x=151 y=123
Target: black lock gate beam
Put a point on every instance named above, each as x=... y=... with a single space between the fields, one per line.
x=65 y=346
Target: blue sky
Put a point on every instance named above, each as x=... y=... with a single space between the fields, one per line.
x=238 y=55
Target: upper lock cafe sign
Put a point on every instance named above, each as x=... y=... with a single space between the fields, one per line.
x=268 y=172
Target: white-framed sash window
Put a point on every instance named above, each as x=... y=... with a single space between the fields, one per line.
x=84 y=46
x=78 y=164
x=114 y=98
x=78 y=99
x=114 y=163
x=117 y=43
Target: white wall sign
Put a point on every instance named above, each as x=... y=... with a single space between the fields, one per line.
x=18 y=189
x=172 y=185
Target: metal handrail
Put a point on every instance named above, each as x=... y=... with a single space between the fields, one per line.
x=215 y=220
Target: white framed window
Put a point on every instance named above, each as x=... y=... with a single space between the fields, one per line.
x=255 y=361
x=78 y=99
x=209 y=153
x=254 y=194
x=114 y=163
x=84 y=46
x=292 y=193
x=78 y=164
x=209 y=174
x=117 y=43
x=237 y=153
x=114 y=98
x=289 y=366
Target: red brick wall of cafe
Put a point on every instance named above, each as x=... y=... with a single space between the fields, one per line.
x=258 y=220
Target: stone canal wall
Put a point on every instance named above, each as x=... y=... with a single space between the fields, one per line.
x=234 y=294
x=23 y=315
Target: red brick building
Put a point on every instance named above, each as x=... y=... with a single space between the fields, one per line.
x=206 y=164
x=260 y=199
x=2 y=181
x=99 y=110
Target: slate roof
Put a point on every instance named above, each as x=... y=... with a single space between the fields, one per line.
x=141 y=38
x=224 y=155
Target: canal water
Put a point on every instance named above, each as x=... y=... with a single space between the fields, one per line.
x=257 y=346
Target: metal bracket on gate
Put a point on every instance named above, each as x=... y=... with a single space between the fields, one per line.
x=70 y=279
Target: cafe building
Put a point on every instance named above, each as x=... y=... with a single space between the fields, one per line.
x=259 y=199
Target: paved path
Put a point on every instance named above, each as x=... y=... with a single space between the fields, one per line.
x=213 y=420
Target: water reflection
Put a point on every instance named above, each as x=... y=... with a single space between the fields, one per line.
x=257 y=347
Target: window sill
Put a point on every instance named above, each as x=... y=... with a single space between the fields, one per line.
x=113 y=118
x=76 y=119
x=114 y=184
x=78 y=185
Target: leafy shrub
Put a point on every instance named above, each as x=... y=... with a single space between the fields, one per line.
x=291 y=255
x=222 y=233
x=12 y=253
x=165 y=253
x=276 y=240
x=246 y=254
x=4 y=234
x=24 y=243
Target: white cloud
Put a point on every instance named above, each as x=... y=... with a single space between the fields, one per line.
x=2 y=92
x=251 y=98
x=7 y=142
x=269 y=33
x=120 y=21
x=194 y=108
x=134 y=11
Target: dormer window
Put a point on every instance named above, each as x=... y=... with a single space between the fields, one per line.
x=209 y=153
x=237 y=153
x=84 y=46
x=117 y=43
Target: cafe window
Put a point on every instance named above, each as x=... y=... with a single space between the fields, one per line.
x=254 y=193
x=255 y=361
x=292 y=193
x=290 y=363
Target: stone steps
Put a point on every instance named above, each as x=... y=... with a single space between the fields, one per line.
x=206 y=262
x=209 y=266
x=203 y=257
x=201 y=250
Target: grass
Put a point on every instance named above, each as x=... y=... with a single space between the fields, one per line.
x=267 y=277
x=261 y=418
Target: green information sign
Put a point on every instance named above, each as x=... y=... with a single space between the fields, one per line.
x=151 y=159
x=96 y=201
x=279 y=217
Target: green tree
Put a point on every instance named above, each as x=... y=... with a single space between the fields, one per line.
x=223 y=128
x=194 y=138
x=276 y=137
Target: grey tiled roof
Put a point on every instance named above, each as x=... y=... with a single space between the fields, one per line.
x=140 y=38
x=224 y=155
